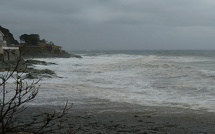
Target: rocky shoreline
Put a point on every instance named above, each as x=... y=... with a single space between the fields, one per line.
x=26 y=66
x=117 y=118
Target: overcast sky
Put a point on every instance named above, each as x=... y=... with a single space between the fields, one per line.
x=114 y=24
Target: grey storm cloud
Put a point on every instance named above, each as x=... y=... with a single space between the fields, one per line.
x=114 y=24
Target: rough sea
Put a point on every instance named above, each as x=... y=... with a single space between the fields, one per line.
x=181 y=79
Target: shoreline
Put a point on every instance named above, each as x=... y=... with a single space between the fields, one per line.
x=127 y=118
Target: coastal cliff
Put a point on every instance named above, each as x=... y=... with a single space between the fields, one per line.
x=32 y=46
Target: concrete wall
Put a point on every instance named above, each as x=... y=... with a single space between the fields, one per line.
x=10 y=54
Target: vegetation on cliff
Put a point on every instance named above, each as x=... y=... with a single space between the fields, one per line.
x=32 y=46
x=31 y=39
x=8 y=36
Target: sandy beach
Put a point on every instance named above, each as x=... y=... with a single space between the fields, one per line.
x=123 y=118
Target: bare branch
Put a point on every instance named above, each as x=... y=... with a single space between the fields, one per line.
x=12 y=103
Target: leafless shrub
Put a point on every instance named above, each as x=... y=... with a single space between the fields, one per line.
x=12 y=102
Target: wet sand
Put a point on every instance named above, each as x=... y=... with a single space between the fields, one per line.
x=123 y=118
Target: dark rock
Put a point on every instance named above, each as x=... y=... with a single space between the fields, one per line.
x=76 y=56
x=38 y=62
x=140 y=120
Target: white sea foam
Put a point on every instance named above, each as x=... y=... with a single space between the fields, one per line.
x=137 y=79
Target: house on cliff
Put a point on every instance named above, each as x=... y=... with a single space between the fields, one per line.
x=8 y=53
x=51 y=48
x=2 y=42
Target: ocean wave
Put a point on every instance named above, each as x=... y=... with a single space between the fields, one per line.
x=152 y=79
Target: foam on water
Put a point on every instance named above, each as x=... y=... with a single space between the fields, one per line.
x=153 y=80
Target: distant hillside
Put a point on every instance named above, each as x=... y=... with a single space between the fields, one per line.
x=8 y=36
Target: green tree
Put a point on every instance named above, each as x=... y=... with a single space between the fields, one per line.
x=44 y=41
x=30 y=39
x=8 y=36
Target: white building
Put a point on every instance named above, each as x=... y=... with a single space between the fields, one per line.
x=1 y=36
x=8 y=53
x=2 y=42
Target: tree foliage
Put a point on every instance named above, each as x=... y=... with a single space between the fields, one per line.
x=8 y=36
x=30 y=39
